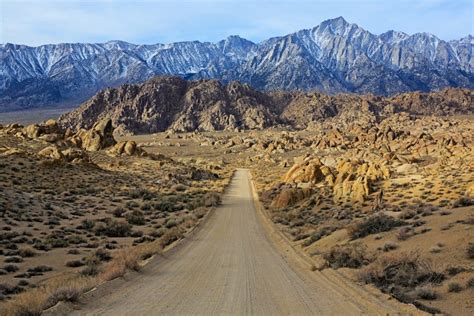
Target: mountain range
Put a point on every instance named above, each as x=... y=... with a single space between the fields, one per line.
x=174 y=104
x=335 y=56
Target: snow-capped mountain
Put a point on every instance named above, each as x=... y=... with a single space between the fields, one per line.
x=335 y=56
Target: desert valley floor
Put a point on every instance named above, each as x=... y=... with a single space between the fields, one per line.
x=346 y=219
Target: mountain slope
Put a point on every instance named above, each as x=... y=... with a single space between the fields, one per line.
x=172 y=103
x=335 y=56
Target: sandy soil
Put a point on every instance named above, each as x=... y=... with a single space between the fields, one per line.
x=228 y=267
x=32 y=116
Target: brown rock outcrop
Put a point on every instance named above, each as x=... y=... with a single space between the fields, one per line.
x=126 y=148
x=52 y=152
x=100 y=136
x=172 y=103
x=290 y=196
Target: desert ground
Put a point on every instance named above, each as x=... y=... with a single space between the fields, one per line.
x=231 y=267
x=381 y=214
x=322 y=189
x=32 y=116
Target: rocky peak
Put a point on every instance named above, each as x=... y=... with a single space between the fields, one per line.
x=335 y=56
x=172 y=103
x=337 y=26
x=393 y=36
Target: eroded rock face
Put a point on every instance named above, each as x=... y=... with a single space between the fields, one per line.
x=126 y=148
x=290 y=196
x=174 y=104
x=355 y=163
x=47 y=131
x=52 y=152
x=100 y=136
x=66 y=146
x=350 y=179
x=75 y=155
x=308 y=171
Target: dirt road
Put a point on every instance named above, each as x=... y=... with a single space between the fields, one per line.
x=230 y=267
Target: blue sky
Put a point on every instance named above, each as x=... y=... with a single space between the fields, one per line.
x=36 y=22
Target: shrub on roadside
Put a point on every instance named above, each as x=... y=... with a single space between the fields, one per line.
x=211 y=199
x=171 y=236
x=400 y=275
x=373 y=225
x=347 y=256
x=322 y=232
x=65 y=293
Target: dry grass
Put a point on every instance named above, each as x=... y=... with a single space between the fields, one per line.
x=33 y=302
x=373 y=225
x=401 y=275
x=69 y=288
x=348 y=256
x=129 y=260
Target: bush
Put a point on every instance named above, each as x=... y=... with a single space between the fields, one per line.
x=39 y=269
x=171 y=236
x=389 y=246
x=454 y=287
x=454 y=270
x=88 y=224
x=470 y=251
x=462 y=202
x=114 y=229
x=404 y=233
x=90 y=270
x=211 y=199
x=122 y=261
x=11 y=268
x=76 y=239
x=26 y=252
x=118 y=212
x=348 y=256
x=135 y=218
x=400 y=274
x=57 y=241
x=170 y=223
x=141 y=193
x=426 y=293
x=65 y=293
x=159 y=232
x=74 y=263
x=322 y=232
x=373 y=225
x=103 y=255
x=470 y=282
x=13 y=259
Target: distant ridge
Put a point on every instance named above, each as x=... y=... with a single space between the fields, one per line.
x=335 y=56
x=174 y=104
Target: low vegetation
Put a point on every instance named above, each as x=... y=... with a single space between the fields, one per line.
x=352 y=255
x=406 y=276
x=373 y=225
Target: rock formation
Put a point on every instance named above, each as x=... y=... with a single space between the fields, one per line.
x=173 y=104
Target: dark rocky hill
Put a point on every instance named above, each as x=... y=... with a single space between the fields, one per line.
x=172 y=103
